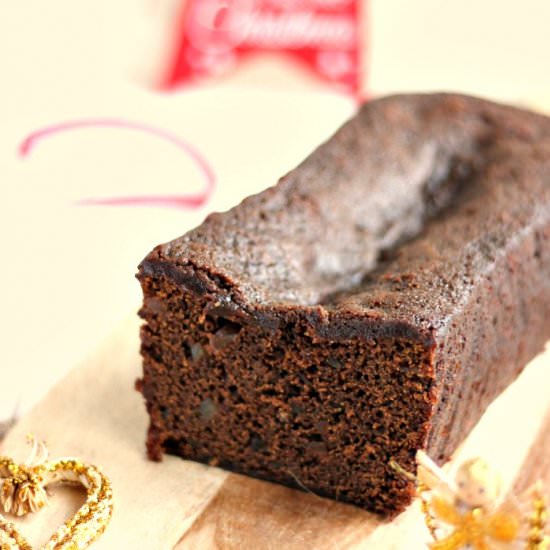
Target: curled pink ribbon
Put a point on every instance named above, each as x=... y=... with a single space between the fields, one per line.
x=190 y=201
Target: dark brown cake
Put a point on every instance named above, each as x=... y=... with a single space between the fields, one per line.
x=372 y=303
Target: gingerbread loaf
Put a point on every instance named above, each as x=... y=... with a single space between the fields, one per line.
x=372 y=303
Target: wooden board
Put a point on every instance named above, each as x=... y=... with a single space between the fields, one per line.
x=95 y=414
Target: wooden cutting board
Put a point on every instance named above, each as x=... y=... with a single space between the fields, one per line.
x=96 y=415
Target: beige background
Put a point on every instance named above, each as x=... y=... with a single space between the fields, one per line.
x=67 y=271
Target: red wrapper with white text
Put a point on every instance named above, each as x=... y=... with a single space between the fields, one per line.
x=216 y=36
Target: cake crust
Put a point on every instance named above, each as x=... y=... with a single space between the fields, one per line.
x=372 y=303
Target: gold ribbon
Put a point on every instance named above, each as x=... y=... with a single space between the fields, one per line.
x=23 y=491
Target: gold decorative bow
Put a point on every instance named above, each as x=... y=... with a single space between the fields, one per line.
x=476 y=527
x=465 y=513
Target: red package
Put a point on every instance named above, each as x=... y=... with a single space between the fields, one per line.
x=216 y=35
